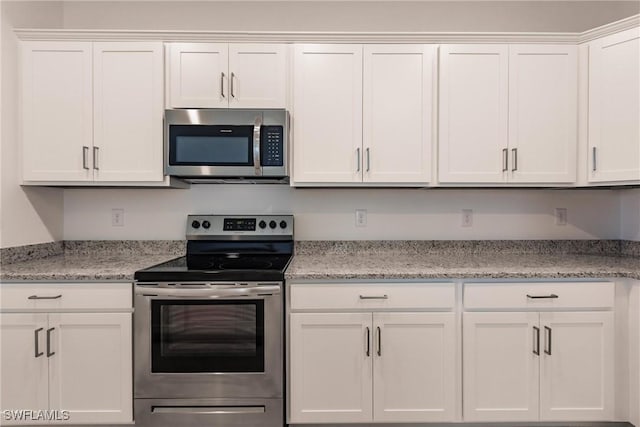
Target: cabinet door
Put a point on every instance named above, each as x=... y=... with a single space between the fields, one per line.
x=397 y=107
x=23 y=362
x=56 y=111
x=614 y=107
x=90 y=374
x=198 y=75
x=543 y=113
x=500 y=366
x=128 y=92
x=330 y=367
x=257 y=75
x=576 y=379
x=414 y=367
x=473 y=113
x=327 y=113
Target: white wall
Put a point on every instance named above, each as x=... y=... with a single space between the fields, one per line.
x=348 y=16
x=330 y=213
x=29 y=215
x=630 y=215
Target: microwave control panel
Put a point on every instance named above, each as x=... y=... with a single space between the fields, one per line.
x=272 y=146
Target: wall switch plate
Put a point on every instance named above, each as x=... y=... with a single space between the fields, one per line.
x=117 y=217
x=467 y=217
x=561 y=216
x=361 y=218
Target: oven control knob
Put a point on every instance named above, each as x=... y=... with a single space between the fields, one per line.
x=195 y=224
x=206 y=224
x=283 y=224
x=262 y=224
x=272 y=224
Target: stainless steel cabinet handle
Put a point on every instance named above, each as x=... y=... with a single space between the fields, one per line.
x=379 y=341
x=38 y=297
x=85 y=154
x=368 y=160
x=222 y=85
x=38 y=353
x=536 y=342
x=594 y=159
x=49 y=352
x=95 y=158
x=547 y=349
x=552 y=296
x=233 y=95
x=505 y=159
x=368 y=342
x=358 y=159
x=385 y=296
x=514 y=159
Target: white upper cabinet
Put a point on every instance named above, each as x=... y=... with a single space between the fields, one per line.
x=57 y=123
x=221 y=75
x=473 y=113
x=543 y=113
x=508 y=114
x=614 y=107
x=363 y=114
x=327 y=113
x=397 y=113
x=128 y=88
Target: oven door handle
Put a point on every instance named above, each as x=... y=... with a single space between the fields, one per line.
x=209 y=292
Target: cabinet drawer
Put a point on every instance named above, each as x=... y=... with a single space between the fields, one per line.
x=346 y=296
x=538 y=295
x=66 y=296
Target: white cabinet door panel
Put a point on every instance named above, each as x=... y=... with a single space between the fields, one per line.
x=327 y=113
x=128 y=93
x=257 y=75
x=330 y=371
x=91 y=370
x=543 y=115
x=24 y=376
x=198 y=75
x=56 y=111
x=414 y=367
x=500 y=368
x=473 y=113
x=397 y=113
x=614 y=107
x=576 y=379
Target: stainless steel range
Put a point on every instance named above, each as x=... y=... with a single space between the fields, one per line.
x=209 y=326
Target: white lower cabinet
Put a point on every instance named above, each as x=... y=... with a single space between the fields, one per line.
x=372 y=366
x=538 y=365
x=53 y=360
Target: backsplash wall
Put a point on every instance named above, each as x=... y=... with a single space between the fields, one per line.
x=393 y=214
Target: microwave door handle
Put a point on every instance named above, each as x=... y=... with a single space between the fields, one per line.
x=256 y=146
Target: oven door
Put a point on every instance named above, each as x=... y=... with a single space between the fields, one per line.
x=204 y=341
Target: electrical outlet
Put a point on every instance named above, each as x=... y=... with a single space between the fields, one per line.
x=361 y=218
x=117 y=217
x=561 y=216
x=467 y=217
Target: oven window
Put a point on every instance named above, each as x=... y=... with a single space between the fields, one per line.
x=211 y=145
x=207 y=336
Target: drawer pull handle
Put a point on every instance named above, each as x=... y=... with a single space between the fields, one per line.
x=385 y=296
x=536 y=348
x=38 y=297
x=552 y=296
x=368 y=342
x=548 y=341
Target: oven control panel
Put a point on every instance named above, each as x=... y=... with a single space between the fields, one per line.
x=233 y=227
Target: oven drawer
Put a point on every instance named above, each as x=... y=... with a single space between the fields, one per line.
x=66 y=296
x=538 y=295
x=346 y=296
x=208 y=412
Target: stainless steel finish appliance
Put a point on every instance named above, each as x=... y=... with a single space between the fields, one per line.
x=227 y=143
x=208 y=327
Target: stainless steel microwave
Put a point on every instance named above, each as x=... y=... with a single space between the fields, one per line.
x=226 y=143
